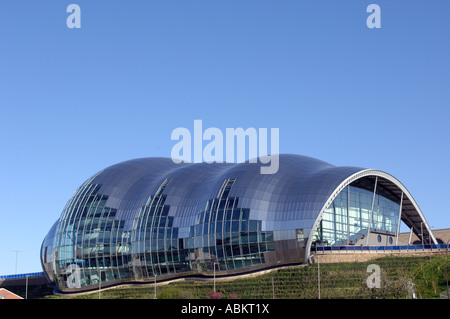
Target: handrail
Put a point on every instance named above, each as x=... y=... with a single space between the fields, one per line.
x=380 y=248
x=21 y=276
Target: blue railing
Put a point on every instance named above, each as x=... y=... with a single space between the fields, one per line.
x=21 y=276
x=378 y=248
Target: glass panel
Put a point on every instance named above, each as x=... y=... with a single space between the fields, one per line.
x=337 y=228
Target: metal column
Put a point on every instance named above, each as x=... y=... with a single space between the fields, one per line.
x=399 y=219
x=371 y=210
x=348 y=214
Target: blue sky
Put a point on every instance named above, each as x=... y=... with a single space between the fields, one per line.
x=74 y=101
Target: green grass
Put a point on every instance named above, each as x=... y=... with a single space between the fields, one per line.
x=337 y=280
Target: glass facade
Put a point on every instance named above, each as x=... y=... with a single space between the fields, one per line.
x=348 y=218
x=151 y=218
x=89 y=242
x=225 y=235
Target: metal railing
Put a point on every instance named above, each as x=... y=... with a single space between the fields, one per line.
x=22 y=276
x=380 y=248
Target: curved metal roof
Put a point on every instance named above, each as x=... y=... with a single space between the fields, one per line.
x=303 y=187
x=302 y=184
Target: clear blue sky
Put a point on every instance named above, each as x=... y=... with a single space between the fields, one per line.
x=74 y=101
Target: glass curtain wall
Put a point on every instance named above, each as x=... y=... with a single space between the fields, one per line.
x=92 y=246
x=347 y=219
x=225 y=237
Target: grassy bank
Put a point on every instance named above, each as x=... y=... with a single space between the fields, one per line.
x=337 y=280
